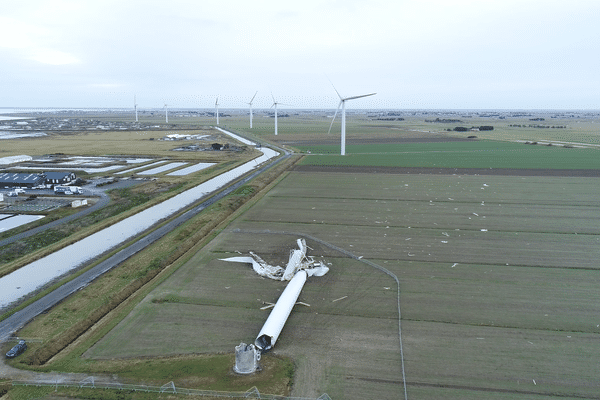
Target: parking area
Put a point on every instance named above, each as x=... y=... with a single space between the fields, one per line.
x=20 y=204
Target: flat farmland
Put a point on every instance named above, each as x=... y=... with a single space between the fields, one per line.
x=455 y=154
x=498 y=278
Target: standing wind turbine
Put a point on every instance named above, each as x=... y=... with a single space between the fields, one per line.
x=275 y=103
x=250 y=104
x=135 y=107
x=217 y=107
x=166 y=114
x=343 y=105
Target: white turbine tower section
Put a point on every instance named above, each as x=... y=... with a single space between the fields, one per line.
x=272 y=328
x=217 y=107
x=135 y=107
x=275 y=103
x=250 y=104
x=343 y=105
x=166 y=113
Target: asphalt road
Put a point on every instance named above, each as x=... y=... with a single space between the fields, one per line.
x=20 y=318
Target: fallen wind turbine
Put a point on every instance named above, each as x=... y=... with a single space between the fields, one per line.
x=250 y=104
x=343 y=105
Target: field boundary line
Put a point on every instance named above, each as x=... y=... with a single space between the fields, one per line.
x=355 y=257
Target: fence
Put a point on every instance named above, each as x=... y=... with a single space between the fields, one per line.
x=91 y=383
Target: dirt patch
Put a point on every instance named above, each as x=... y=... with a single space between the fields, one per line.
x=591 y=173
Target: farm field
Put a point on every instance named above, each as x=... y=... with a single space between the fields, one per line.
x=496 y=272
x=130 y=143
x=455 y=154
x=497 y=279
x=310 y=129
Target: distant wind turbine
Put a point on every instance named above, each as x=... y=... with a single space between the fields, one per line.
x=166 y=114
x=275 y=103
x=135 y=107
x=217 y=107
x=343 y=105
x=250 y=104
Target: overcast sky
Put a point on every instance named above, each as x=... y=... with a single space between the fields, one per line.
x=417 y=54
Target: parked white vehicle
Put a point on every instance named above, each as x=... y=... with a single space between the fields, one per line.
x=67 y=190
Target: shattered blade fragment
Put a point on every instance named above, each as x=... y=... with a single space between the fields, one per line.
x=298 y=261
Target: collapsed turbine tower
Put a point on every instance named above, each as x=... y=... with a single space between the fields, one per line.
x=298 y=269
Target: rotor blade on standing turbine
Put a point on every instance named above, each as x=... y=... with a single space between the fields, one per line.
x=336 y=111
x=253 y=97
x=358 y=97
x=332 y=85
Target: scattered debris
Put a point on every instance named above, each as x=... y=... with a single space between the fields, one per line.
x=298 y=261
x=341 y=298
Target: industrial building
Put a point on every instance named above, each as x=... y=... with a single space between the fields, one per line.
x=59 y=178
x=29 y=180
x=14 y=179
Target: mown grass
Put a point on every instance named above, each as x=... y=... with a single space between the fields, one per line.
x=476 y=154
x=484 y=311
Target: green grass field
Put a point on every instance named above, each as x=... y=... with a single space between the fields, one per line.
x=476 y=154
x=484 y=312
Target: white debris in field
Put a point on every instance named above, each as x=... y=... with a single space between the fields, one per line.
x=298 y=261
